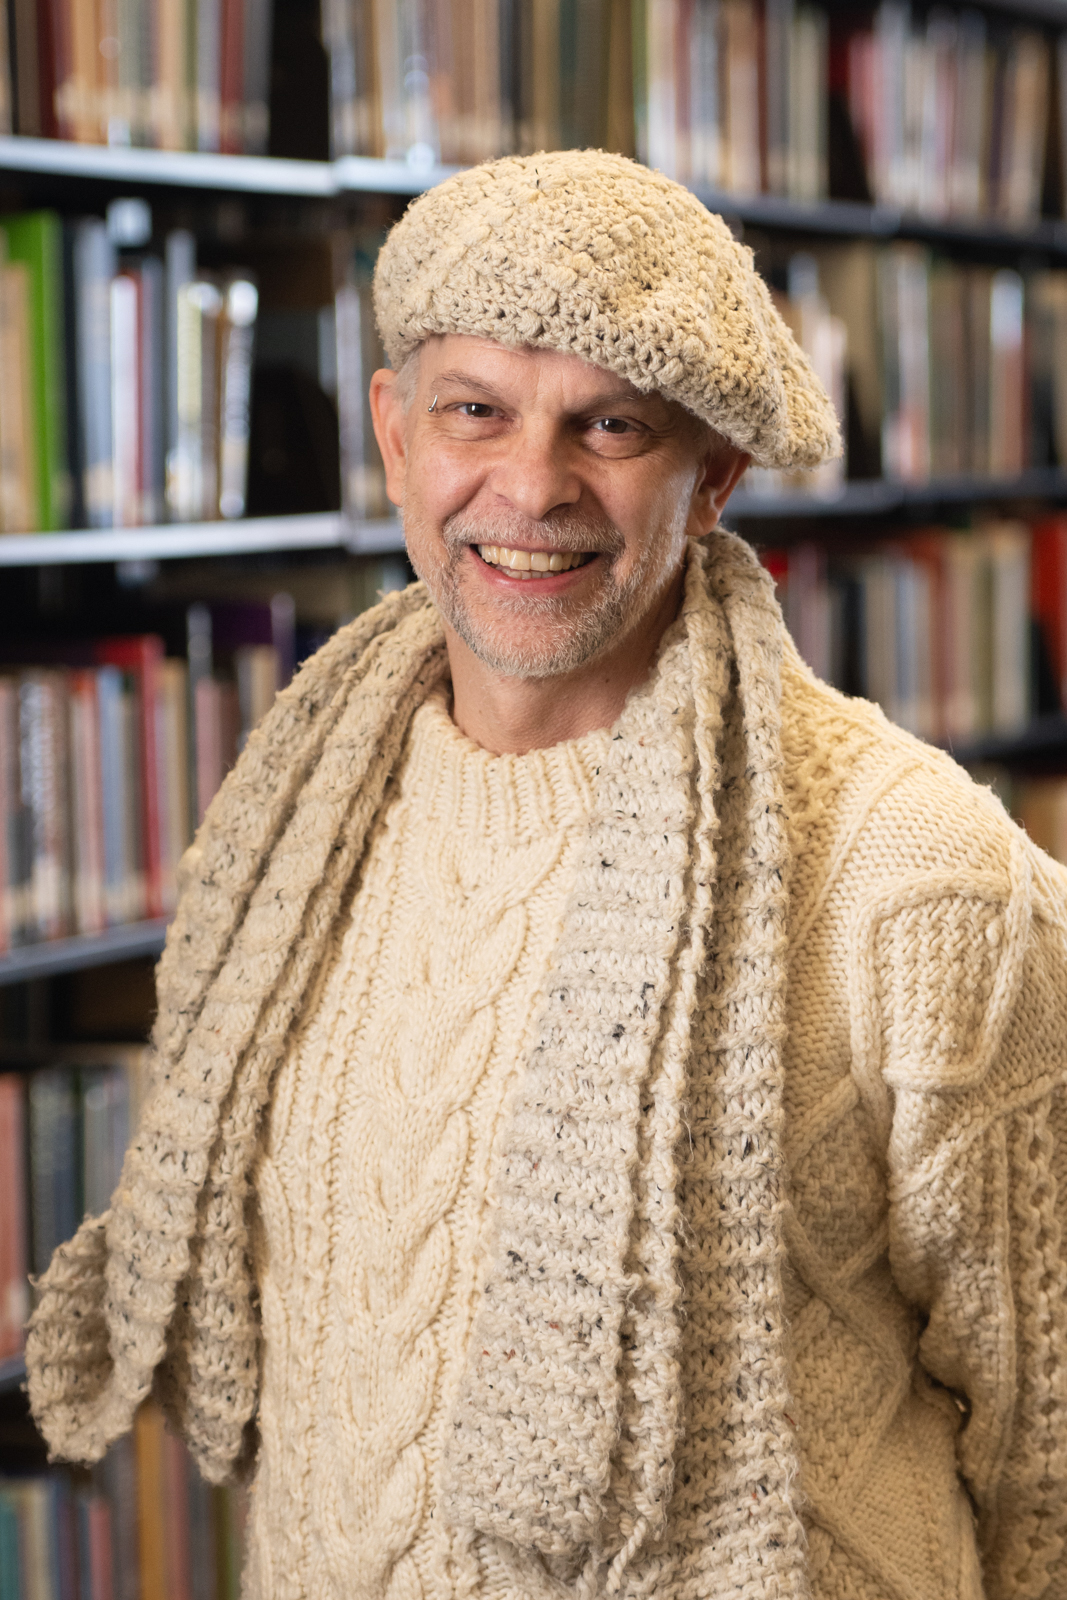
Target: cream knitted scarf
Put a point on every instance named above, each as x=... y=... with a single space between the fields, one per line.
x=562 y=1438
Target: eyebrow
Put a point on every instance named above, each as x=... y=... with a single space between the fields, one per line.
x=606 y=397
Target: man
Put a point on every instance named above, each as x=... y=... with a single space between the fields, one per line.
x=609 y=1116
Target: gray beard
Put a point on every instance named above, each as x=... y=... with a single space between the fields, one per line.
x=569 y=641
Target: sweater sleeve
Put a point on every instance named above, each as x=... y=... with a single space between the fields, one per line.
x=975 y=1059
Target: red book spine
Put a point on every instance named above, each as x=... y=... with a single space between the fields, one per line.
x=1048 y=592
x=53 y=61
x=13 y=1292
x=231 y=78
x=141 y=654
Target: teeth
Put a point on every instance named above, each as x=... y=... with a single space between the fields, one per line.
x=526 y=562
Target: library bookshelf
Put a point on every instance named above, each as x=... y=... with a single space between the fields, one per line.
x=884 y=534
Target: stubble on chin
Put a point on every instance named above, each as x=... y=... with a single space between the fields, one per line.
x=570 y=632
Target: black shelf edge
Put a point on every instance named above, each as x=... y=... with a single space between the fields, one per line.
x=48 y=959
x=854 y=219
x=870 y=497
x=1042 y=741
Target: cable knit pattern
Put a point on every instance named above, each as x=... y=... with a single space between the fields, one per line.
x=372 y=1185
x=824 y=1181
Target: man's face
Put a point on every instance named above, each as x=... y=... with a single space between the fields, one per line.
x=546 y=503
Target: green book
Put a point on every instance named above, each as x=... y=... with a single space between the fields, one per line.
x=36 y=238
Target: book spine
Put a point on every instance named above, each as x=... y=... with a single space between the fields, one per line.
x=36 y=240
x=258 y=20
x=240 y=304
x=7 y=97
x=151 y=1505
x=87 y=830
x=94 y=268
x=141 y=655
x=175 y=831
x=110 y=694
x=170 y=91
x=14 y=1296
x=208 y=59
x=209 y=305
x=231 y=76
x=179 y=271
x=125 y=401
x=337 y=34
x=151 y=338
x=9 y=811
x=28 y=118
x=53 y=1148
x=18 y=479
x=43 y=776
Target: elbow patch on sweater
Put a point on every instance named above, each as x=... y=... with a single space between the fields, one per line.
x=934 y=974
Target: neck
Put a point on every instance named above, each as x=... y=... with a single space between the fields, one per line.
x=510 y=716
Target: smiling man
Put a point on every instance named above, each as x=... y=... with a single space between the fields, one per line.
x=609 y=1116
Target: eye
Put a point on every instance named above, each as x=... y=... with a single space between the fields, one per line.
x=613 y=425
x=474 y=408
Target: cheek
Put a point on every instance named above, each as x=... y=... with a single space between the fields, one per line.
x=651 y=514
x=442 y=480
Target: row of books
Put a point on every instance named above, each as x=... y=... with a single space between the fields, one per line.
x=110 y=753
x=733 y=94
x=63 y=1134
x=953 y=115
x=956 y=634
x=174 y=74
x=947 y=116
x=125 y=376
x=143 y=1525
x=463 y=80
x=940 y=369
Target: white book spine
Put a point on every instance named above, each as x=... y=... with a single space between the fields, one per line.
x=125 y=402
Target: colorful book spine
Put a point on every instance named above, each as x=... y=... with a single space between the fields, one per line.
x=141 y=656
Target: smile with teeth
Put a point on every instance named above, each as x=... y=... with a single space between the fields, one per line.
x=531 y=563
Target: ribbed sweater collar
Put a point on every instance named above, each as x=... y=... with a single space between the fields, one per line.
x=502 y=798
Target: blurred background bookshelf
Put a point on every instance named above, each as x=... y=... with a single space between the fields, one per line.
x=192 y=194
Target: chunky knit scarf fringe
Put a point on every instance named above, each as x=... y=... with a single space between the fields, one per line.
x=563 y=1435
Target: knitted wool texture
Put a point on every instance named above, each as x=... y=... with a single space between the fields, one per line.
x=910 y=1076
x=372 y=1185
x=593 y=254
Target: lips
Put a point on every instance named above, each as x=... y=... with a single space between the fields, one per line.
x=532 y=563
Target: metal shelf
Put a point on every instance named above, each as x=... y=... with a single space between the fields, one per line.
x=190 y=169
x=384 y=536
x=186 y=169
x=364 y=175
x=83 y=950
x=319 y=531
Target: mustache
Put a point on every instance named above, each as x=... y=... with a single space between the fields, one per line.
x=561 y=530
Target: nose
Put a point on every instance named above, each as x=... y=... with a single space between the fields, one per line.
x=535 y=472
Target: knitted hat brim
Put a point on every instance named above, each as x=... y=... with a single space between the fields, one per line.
x=595 y=255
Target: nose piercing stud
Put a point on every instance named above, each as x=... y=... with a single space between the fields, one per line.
x=434 y=406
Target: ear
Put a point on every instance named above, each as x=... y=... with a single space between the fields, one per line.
x=722 y=469
x=390 y=430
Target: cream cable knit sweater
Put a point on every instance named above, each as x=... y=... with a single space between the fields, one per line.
x=785 y=1170
x=372 y=1184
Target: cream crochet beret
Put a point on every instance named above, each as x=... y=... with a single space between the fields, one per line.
x=591 y=253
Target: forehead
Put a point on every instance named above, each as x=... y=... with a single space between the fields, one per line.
x=526 y=371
